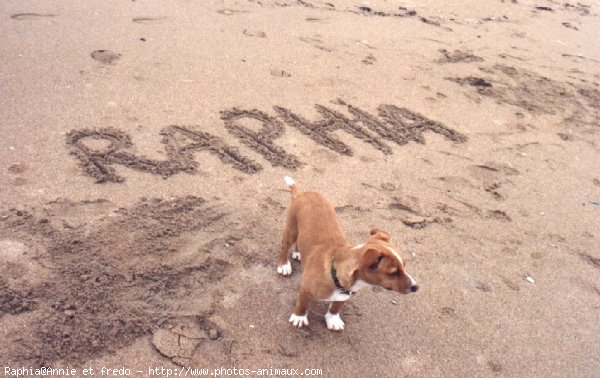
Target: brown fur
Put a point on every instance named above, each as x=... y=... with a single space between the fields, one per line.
x=313 y=226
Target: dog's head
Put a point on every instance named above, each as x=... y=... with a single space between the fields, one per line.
x=381 y=265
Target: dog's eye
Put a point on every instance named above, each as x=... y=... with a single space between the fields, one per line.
x=395 y=273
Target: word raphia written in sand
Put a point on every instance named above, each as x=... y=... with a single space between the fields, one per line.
x=394 y=124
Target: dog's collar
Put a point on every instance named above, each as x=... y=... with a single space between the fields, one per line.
x=336 y=281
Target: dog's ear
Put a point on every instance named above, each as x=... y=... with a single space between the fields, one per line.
x=372 y=259
x=380 y=234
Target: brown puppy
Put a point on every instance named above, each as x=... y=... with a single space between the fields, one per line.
x=333 y=269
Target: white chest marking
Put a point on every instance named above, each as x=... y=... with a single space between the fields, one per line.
x=340 y=295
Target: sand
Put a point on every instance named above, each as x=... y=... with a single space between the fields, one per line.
x=143 y=147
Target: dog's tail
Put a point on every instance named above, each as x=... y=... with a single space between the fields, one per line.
x=292 y=185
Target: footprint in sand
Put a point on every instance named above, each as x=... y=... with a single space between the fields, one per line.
x=19 y=181
x=105 y=56
x=18 y=266
x=448 y=311
x=30 y=16
x=566 y=137
x=482 y=286
x=280 y=73
x=254 y=33
x=369 y=60
x=493 y=177
x=510 y=284
x=17 y=168
x=495 y=367
x=498 y=215
x=179 y=342
x=458 y=56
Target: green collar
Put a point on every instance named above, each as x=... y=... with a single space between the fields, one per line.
x=336 y=281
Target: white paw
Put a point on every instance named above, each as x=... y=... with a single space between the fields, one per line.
x=334 y=322
x=299 y=321
x=296 y=255
x=285 y=269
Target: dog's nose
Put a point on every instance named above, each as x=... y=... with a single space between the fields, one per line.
x=414 y=288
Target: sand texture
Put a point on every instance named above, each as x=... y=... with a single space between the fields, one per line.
x=143 y=147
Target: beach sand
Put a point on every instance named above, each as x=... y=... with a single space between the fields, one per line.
x=143 y=147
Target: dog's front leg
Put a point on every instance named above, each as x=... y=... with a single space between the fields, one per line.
x=300 y=316
x=332 y=318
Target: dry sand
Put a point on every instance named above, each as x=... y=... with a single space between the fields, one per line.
x=142 y=151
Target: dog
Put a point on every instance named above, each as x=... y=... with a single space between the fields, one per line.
x=333 y=269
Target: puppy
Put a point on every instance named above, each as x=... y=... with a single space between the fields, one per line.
x=333 y=269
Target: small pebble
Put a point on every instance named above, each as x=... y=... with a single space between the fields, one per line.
x=529 y=279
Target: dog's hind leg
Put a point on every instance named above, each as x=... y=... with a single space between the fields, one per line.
x=296 y=254
x=290 y=234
